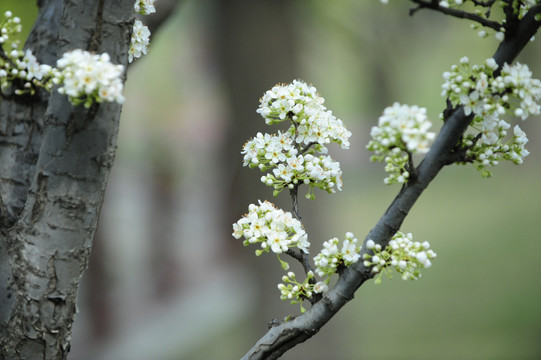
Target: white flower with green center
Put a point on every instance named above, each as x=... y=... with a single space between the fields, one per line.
x=513 y=91
x=350 y=249
x=401 y=132
x=402 y=254
x=140 y=40
x=144 y=7
x=296 y=156
x=87 y=77
x=274 y=229
x=332 y=255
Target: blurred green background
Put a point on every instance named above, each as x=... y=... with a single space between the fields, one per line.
x=167 y=281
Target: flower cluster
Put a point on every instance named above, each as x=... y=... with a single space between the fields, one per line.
x=291 y=158
x=144 y=7
x=331 y=256
x=488 y=97
x=483 y=94
x=10 y=25
x=275 y=229
x=82 y=76
x=291 y=289
x=140 y=38
x=300 y=103
x=278 y=231
x=327 y=261
x=402 y=131
x=20 y=66
x=403 y=254
x=321 y=172
x=489 y=149
x=525 y=6
x=87 y=77
x=296 y=155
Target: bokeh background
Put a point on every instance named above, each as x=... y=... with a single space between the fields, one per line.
x=167 y=280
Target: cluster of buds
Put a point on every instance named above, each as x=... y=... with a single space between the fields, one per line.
x=487 y=98
x=18 y=66
x=403 y=254
x=296 y=292
x=332 y=256
x=278 y=231
x=401 y=132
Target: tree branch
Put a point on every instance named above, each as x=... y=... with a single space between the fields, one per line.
x=295 y=201
x=434 y=5
x=283 y=337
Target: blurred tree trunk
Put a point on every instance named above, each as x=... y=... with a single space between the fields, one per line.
x=55 y=161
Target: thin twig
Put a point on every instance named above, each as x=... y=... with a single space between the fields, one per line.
x=302 y=257
x=411 y=167
x=294 y=199
x=487 y=3
x=305 y=149
x=434 y=5
x=4 y=57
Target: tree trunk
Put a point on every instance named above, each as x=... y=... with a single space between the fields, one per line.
x=55 y=160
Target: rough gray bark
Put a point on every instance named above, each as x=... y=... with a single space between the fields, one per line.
x=55 y=160
x=21 y=120
x=285 y=336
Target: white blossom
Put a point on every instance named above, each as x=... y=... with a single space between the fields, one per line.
x=144 y=7
x=513 y=91
x=87 y=77
x=275 y=229
x=402 y=254
x=140 y=40
x=402 y=130
x=331 y=256
x=320 y=287
x=296 y=156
